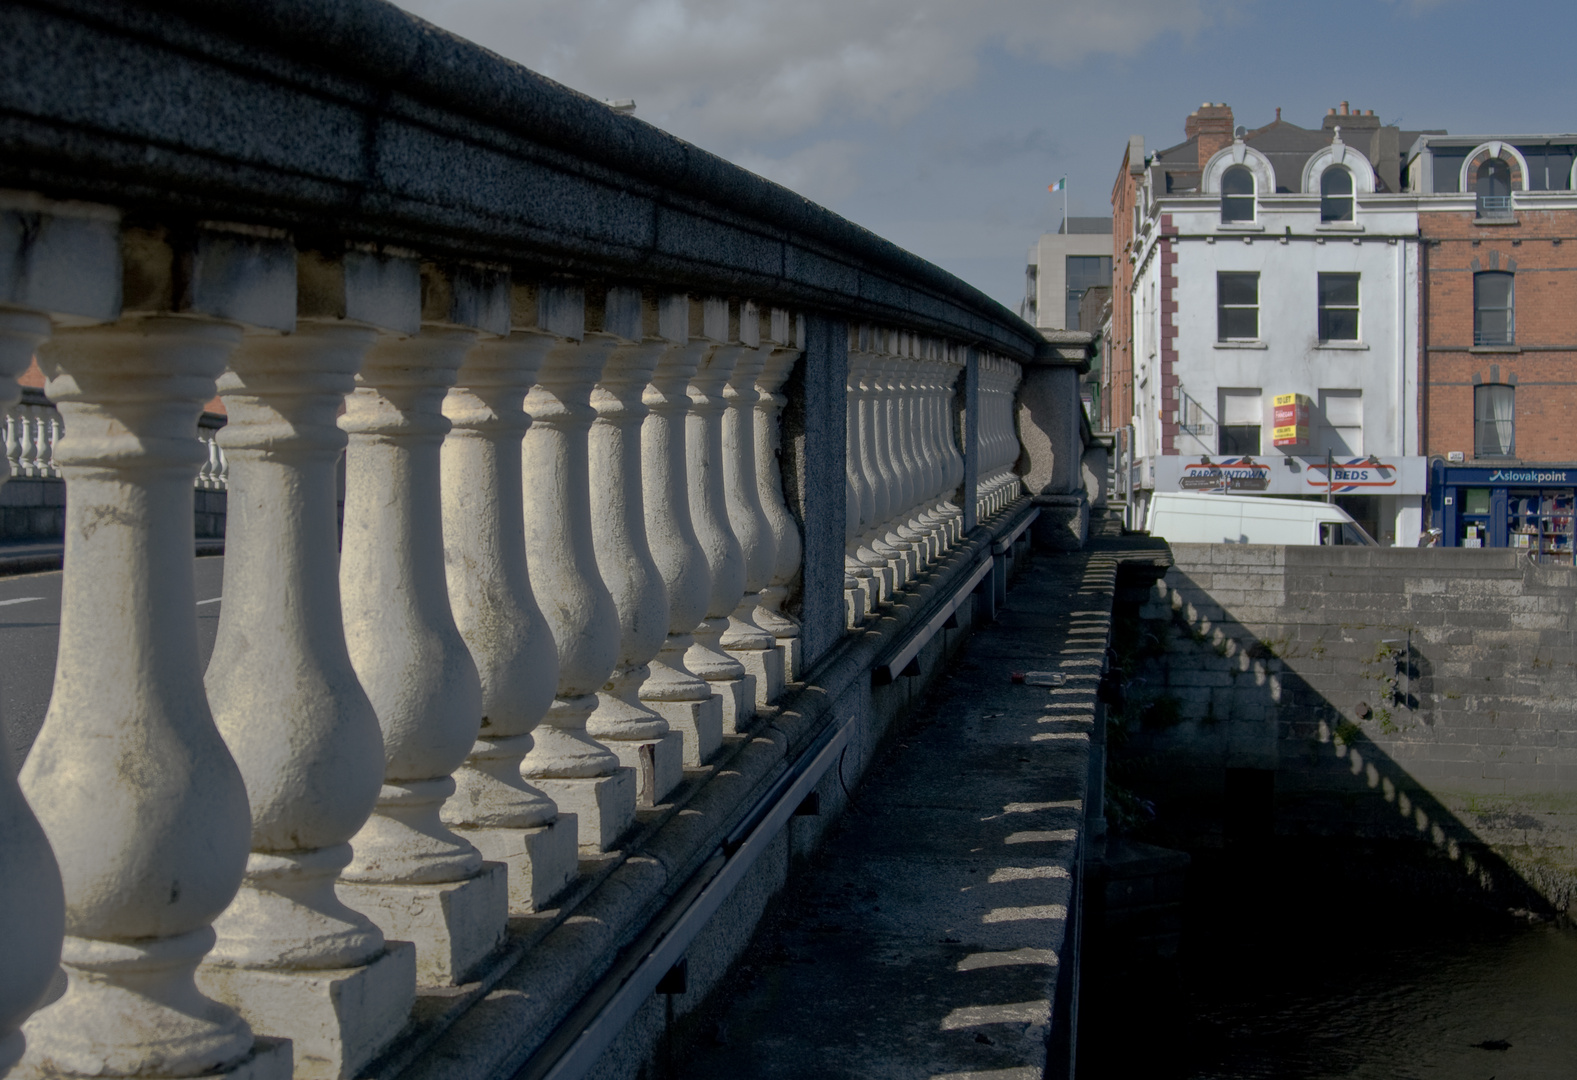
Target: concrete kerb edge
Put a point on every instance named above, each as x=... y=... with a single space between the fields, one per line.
x=621 y=899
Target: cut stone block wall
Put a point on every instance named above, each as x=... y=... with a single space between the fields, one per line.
x=1418 y=694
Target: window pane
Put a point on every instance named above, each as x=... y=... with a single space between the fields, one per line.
x=1494 y=415
x=1237 y=181
x=1237 y=288
x=1493 y=290
x=1336 y=182
x=1338 y=289
x=1494 y=178
x=1339 y=324
x=1237 y=208
x=1241 y=324
x=1336 y=208
x=1239 y=439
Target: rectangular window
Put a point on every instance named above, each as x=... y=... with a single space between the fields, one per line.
x=1338 y=307
x=1494 y=420
x=1241 y=415
x=1341 y=423
x=1237 y=307
x=1083 y=272
x=1494 y=308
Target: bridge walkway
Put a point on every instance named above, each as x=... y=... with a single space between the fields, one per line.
x=934 y=935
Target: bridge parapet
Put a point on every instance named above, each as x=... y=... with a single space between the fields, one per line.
x=635 y=445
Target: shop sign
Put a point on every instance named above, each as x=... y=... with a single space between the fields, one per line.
x=1228 y=474
x=1290 y=416
x=1273 y=475
x=1360 y=476
x=1513 y=475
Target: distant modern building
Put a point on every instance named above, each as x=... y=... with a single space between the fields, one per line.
x=1061 y=266
x=1275 y=313
x=1498 y=220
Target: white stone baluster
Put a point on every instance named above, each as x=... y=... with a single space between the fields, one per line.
x=509 y=820
x=57 y=431
x=746 y=640
x=939 y=437
x=292 y=958
x=205 y=470
x=869 y=551
x=32 y=905
x=874 y=399
x=27 y=456
x=672 y=690
x=638 y=734
x=216 y=477
x=141 y=800
x=781 y=346
x=582 y=776
x=948 y=424
x=419 y=880
x=1012 y=448
x=703 y=439
x=900 y=443
x=13 y=440
x=921 y=376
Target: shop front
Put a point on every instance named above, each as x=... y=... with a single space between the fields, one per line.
x=1384 y=494
x=1524 y=507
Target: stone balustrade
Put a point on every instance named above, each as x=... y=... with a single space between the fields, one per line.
x=593 y=531
x=32 y=430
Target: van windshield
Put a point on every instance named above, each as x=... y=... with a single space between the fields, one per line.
x=1344 y=532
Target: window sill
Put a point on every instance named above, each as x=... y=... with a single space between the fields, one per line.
x=1338 y=226
x=1498 y=219
x=1494 y=348
x=1341 y=346
x=1240 y=345
x=1234 y=226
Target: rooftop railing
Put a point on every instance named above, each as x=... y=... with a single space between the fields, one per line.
x=632 y=440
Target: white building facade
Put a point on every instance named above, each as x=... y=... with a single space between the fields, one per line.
x=1250 y=286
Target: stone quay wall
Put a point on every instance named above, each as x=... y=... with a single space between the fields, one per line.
x=1366 y=694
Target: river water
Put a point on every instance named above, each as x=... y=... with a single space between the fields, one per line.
x=1362 y=985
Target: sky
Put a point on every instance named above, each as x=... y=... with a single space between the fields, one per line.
x=939 y=124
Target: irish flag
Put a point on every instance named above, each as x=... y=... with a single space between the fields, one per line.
x=1060 y=185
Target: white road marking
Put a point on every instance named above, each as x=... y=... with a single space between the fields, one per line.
x=215 y=600
x=20 y=600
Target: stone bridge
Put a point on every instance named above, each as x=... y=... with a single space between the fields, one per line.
x=664 y=490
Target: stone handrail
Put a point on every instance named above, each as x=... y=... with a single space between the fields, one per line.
x=632 y=439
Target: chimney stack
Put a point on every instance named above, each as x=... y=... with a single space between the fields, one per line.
x=1344 y=108
x=1212 y=123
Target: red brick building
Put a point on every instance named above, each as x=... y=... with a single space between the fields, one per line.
x=1498 y=227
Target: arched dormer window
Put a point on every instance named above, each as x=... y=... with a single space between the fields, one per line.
x=1336 y=195
x=1493 y=188
x=1237 y=194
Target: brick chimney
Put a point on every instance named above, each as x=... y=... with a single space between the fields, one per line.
x=1212 y=122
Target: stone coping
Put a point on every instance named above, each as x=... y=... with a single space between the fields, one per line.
x=552 y=959
x=354 y=120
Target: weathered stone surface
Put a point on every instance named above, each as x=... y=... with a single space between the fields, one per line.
x=1399 y=694
x=454 y=925
x=337 y=1018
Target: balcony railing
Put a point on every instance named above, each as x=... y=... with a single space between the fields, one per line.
x=632 y=440
x=1494 y=206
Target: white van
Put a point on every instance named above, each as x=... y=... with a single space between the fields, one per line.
x=1187 y=517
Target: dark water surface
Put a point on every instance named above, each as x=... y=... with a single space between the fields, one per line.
x=1355 y=986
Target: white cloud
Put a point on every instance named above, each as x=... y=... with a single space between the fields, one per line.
x=731 y=73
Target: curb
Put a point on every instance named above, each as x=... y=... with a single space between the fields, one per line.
x=44 y=562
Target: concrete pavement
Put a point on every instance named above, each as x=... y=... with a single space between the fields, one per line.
x=928 y=939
